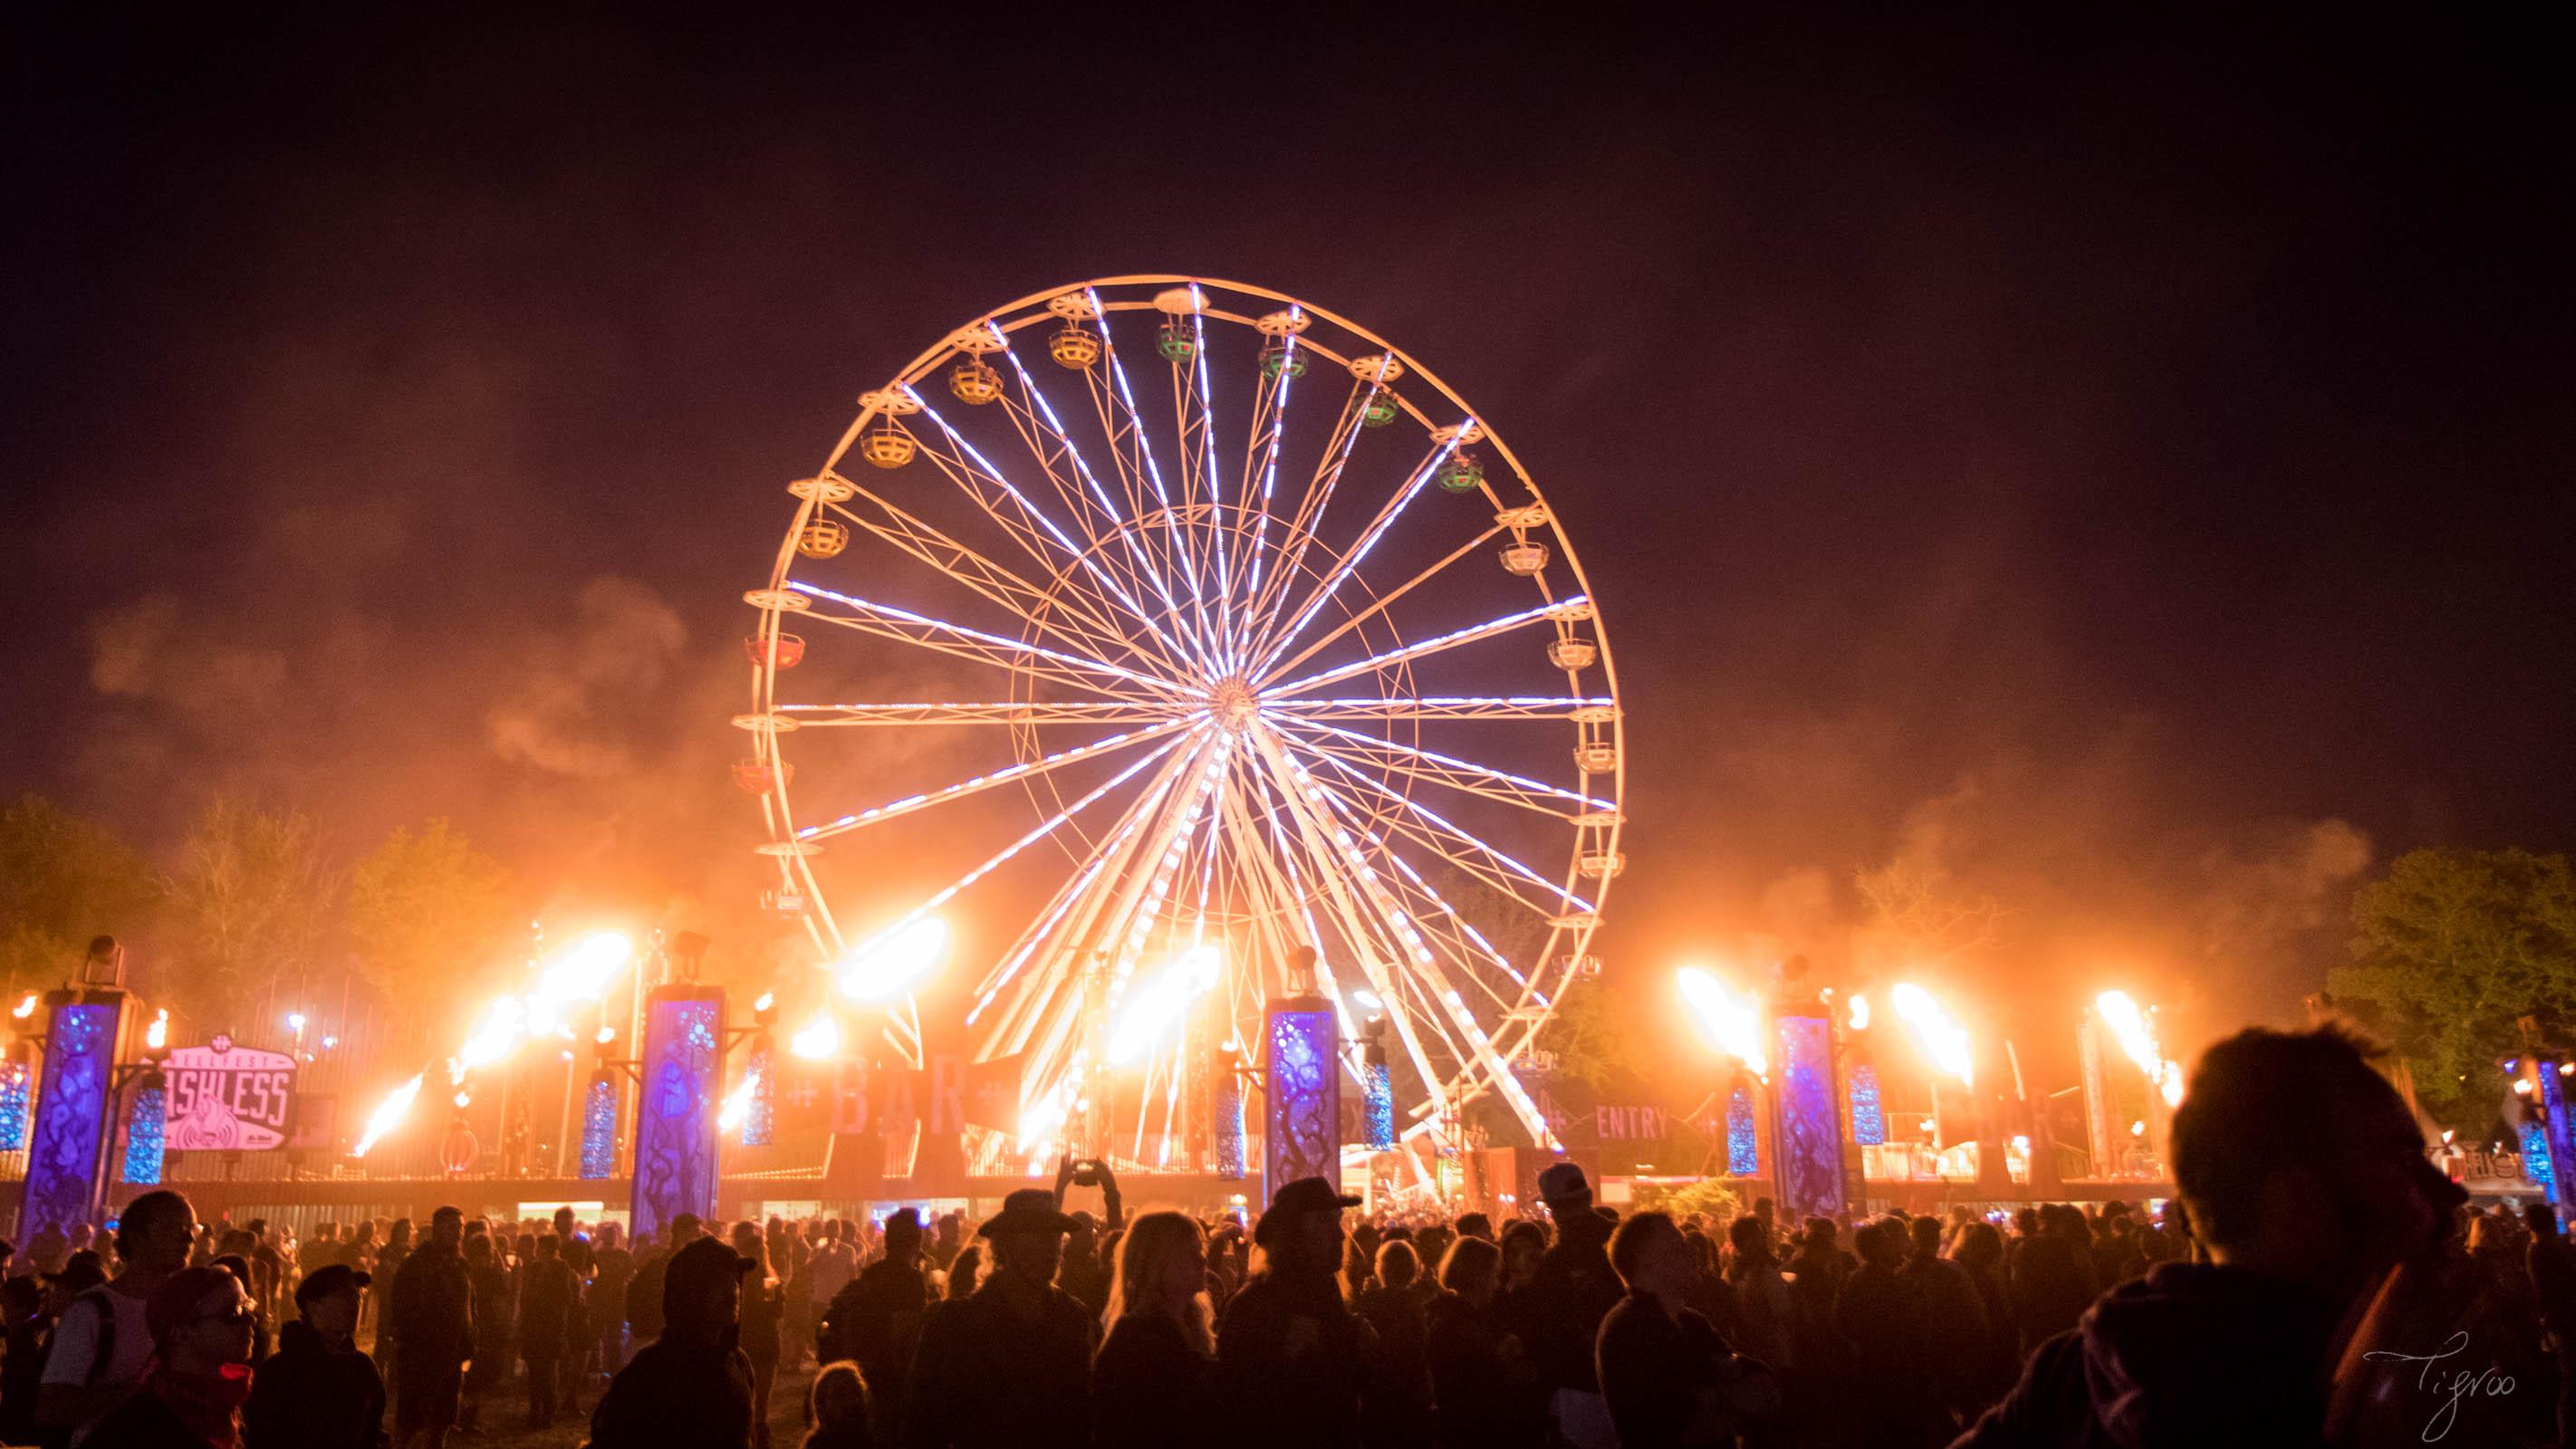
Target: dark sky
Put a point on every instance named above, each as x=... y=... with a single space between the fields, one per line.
x=2127 y=469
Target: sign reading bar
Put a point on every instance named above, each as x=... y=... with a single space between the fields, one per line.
x=228 y=1098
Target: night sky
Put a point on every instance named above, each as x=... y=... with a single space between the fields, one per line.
x=2125 y=470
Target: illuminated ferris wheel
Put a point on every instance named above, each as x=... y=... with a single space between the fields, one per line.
x=1268 y=642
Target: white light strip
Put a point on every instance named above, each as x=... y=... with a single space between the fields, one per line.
x=1427 y=646
x=984 y=782
x=979 y=636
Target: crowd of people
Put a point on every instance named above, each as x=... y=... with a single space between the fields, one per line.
x=2315 y=1282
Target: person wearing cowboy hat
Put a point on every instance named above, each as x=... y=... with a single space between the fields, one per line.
x=692 y=1387
x=1013 y=1361
x=1575 y=1289
x=1289 y=1352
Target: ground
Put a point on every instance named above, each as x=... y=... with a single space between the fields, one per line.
x=502 y=1429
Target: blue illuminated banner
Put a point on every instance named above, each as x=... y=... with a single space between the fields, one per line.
x=66 y=1157
x=675 y=1117
x=1305 y=1094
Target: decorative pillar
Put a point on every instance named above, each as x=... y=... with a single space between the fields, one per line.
x=1743 y=1155
x=147 y=1119
x=599 y=1127
x=75 y=1097
x=676 y=1108
x=1807 y=1145
x=1304 y=1094
x=1869 y=1118
x=1228 y=1112
x=1377 y=1090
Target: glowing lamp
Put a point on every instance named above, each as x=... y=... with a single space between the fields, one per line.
x=817 y=1040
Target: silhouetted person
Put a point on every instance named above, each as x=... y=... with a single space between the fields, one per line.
x=691 y=1387
x=2051 y=1278
x=2307 y=1184
x=1667 y=1379
x=431 y=1315
x=839 y=1409
x=1483 y=1392
x=1766 y=1316
x=876 y=1321
x=1288 y=1350
x=1153 y=1385
x=318 y=1391
x=549 y=1302
x=2551 y=1263
x=1956 y=1318
x=1979 y=1250
x=1885 y=1334
x=1561 y=1320
x=1016 y=1355
x=1397 y=1395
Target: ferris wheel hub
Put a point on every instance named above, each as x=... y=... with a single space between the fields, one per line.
x=1233 y=704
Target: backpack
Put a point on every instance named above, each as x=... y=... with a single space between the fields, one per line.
x=105 y=1353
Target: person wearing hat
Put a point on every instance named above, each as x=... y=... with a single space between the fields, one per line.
x=199 y=1370
x=1289 y=1351
x=691 y=1388
x=1575 y=1289
x=318 y=1391
x=876 y=1321
x=1013 y=1361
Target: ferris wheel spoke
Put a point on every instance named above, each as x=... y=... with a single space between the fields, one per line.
x=1131 y=438
x=1303 y=529
x=1446 y=836
x=895 y=810
x=890 y=621
x=1469 y=950
x=1014 y=712
x=970 y=470
x=1420 y=649
x=1378 y=606
x=1078 y=896
x=1043 y=829
x=1457 y=774
x=1339 y=890
x=963 y=563
x=1138 y=554
x=1437 y=707
x=1420 y=960
x=1203 y=491
x=1270 y=392
x=1273 y=643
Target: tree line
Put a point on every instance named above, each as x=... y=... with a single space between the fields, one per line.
x=252 y=895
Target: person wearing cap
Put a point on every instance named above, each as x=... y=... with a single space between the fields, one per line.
x=104 y=1337
x=691 y=1388
x=1289 y=1351
x=198 y=1374
x=1575 y=1289
x=1014 y=1360
x=318 y=1391
x=876 y=1321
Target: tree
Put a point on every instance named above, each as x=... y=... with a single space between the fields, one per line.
x=62 y=880
x=252 y=900
x=1919 y=917
x=422 y=906
x=2448 y=950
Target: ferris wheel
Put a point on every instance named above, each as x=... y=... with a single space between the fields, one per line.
x=1237 y=632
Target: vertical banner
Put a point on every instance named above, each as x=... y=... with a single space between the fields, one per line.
x=675 y=1113
x=2561 y=1136
x=1807 y=1150
x=75 y=1100
x=1304 y=1096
